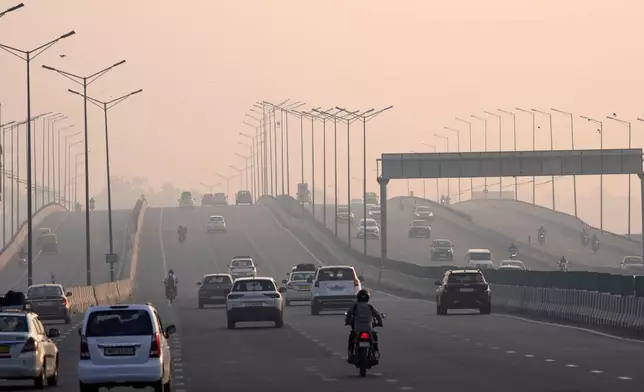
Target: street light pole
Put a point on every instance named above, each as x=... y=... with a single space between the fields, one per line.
x=629 y=176
x=47 y=148
x=30 y=55
x=469 y=128
x=105 y=106
x=241 y=177
x=68 y=173
x=485 y=144
x=60 y=189
x=572 y=143
x=514 y=132
x=551 y=149
x=499 y=119
x=601 y=176
x=458 y=149
x=446 y=138
x=534 y=140
x=438 y=195
x=8 y=10
x=4 y=176
x=86 y=81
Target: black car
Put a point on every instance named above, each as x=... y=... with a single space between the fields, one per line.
x=207 y=199
x=213 y=289
x=423 y=213
x=463 y=289
x=50 y=302
x=419 y=228
x=244 y=197
x=441 y=250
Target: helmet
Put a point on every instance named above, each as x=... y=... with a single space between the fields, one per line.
x=171 y=272
x=363 y=296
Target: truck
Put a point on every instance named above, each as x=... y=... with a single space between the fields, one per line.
x=371 y=198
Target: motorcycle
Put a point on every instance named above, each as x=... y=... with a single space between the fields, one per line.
x=584 y=240
x=182 y=238
x=514 y=254
x=596 y=246
x=170 y=293
x=542 y=238
x=563 y=267
x=23 y=261
x=363 y=357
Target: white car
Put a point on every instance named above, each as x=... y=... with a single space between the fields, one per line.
x=334 y=287
x=124 y=345
x=242 y=267
x=479 y=258
x=26 y=350
x=515 y=265
x=368 y=228
x=216 y=223
x=633 y=264
x=255 y=299
x=344 y=215
x=298 y=286
x=374 y=212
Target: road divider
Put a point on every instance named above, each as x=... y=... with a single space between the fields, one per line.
x=589 y=298
x=114 y=292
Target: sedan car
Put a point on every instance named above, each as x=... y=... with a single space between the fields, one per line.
x=344 y=215
x=633 y=264
x=368 y=228
x=298 y=286
x=50 y=302
x=441 y=250
x=213 y=289
x=419 y=228
x=423 y=213
x=512 y=265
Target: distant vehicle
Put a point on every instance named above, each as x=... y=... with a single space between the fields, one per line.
x=304 y=267
x=28 y=353
x=356 y=205
x=344 y=215
x=479 y=258
x=242 y=267
x=516 y=265
x=633 y=263
x=207 y=199
x=368 y=228
x=419 y=228
x=374 y=212
x=255 y=299
x=186 y=200
x=371 y=198
x=49 y=244
x=124 y=345
x=463 y=289
x=40 y=232
x=50 y=302
x=212 y=289
x=441 y=250
x=334 y=287
x=220 y=200
x=423 y=212
x=244 y=197
x=216 y=223
x=298 y=286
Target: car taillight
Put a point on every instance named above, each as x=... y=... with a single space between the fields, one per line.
x=155 y=346
x=30 y=346
x=272 y=295
x=65 y=301
x=364 y=336
x=356 y=282
x=317 y=283
x=84 y=349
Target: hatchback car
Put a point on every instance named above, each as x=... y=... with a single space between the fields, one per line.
x=216 y=223
x=441 y=250
x=298 y=286
x=463 y=289
x=334 y=287
x=50 y=302
x=419 y=228
x=212 y=289
x=26 y=350
x=124 y=345
x=368 y=228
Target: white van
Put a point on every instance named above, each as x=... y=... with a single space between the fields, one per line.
x=479 y=258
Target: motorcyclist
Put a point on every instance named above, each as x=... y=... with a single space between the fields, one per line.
x=562 y=262
x=402 y=204
x=360 y=316
x=182 y=231
x=595 y=241
x=542 y=231
x=513 y=248
x=171 y=281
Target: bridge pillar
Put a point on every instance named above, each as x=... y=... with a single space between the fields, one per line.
x=383 y=224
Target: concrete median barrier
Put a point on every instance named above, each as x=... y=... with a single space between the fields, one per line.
x=19 y=239
x=121 y=290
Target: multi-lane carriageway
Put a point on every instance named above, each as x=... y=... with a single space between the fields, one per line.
x=419 y=349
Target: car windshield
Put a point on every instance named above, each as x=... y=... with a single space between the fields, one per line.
x=119 y=322
x=242 y=263
x=465 y=277
x=511 y=264
x=217 y=279
x=632 y=260
x=442 y=244
x=336 y=274
x=301 y=275
x=254 y=285
x=216 y=218
x=44 y=291
x=13 y=324
x=480 y=256
x=419 y=223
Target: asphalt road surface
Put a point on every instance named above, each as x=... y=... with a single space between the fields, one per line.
x=521 y=220
x=420 y=350
x=69 y=267
x=445 y=225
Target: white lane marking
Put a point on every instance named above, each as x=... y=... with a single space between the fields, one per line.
x=529 y=356
x=494 y=348
x=391 y=380
x=549 y=360
x=406 y=388
x=571 y=365
x=377 y=374
x=624 y=378
x=597 y=371
x=510 y=352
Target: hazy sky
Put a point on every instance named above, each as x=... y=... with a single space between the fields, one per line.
x=202 y=64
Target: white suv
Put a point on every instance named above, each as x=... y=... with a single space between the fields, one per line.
x=124 y=345
x=255 y=299
x=242 y=267
x=26 y=350
x=216 y=223
x=368 y=228
x=334 y=287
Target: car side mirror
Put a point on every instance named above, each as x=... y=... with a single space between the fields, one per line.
x=282 y=290
x=170 y=330
x=437 y=283
x=199 y=284
x=361 y=278
x=309 y=280
x=226 y=291
x=383 y=315
x=54 y=333
x=69 y=294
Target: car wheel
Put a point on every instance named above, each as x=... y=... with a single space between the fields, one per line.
x=279 y=323
x=158 y=386
x=200 y=305
x=438 y=309
x=87 y=387
x=486 y=309
x=41 y=379
x=231 y=324
x=315 y=310
x=52 y=380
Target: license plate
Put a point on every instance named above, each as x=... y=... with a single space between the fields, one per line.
x=4 y=350
x=304 y=288
x=364 y=344
x=118 y=351
x=254 y=304
x=467 y=290
x=336 y=288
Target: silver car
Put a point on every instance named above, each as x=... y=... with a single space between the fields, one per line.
x=298 y=286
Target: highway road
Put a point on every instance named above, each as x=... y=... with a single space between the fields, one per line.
x=521 y=220
x=419 y=349
x=445 y=225
x=69 y=266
